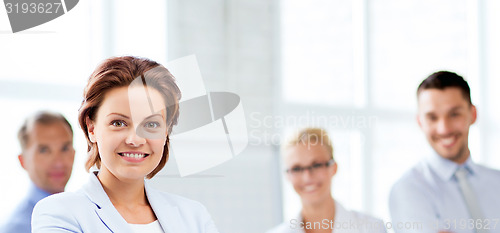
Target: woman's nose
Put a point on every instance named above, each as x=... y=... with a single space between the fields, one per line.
x=134 y=140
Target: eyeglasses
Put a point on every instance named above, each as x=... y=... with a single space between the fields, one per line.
x=295 y=171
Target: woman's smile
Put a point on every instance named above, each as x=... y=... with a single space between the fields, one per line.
x=134 y=156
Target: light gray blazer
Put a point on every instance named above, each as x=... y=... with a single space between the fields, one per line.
x=89 y=210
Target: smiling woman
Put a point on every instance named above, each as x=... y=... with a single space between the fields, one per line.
x=311 y=166
x=121 y=149
x=130 y=106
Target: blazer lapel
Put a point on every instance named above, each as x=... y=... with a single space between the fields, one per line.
x=112 y=220
x=104 y=208
x=168 y=215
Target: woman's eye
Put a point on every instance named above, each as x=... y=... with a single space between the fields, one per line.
x=118 y=124
x=152 y=125
x=317 y=165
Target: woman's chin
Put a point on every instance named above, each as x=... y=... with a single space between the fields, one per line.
x=314 y=198
x=131 y=174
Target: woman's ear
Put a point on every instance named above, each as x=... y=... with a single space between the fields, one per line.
x=333 y=169
x=90 y=129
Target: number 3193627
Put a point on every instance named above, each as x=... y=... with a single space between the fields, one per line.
x=33 y=8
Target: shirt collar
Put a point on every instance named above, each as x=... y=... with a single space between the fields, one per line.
x=446 y=169
x=471 y=166
x=340 y=212
x=36 y=194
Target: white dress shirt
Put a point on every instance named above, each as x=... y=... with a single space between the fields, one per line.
x=346 y=221
x=427 y=199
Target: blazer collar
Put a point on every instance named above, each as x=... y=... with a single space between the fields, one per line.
x=167 y=212
x=104 y=208
x=341 y=213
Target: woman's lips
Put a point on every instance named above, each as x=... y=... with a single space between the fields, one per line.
x=133 y=156
x=310 y=188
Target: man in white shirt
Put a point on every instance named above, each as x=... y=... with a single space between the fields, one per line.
x=447 y=191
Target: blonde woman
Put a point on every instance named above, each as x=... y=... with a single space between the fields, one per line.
x=310 y=167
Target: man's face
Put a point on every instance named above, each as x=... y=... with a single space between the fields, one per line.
x=445 y=117
x=48 y=156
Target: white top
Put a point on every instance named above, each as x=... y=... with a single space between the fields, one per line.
x=346 y=221
x=153 y=227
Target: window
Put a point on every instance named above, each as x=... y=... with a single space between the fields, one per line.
x=365 y=59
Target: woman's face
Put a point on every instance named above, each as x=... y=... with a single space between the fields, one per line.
x=313 y=185
x=130 y=131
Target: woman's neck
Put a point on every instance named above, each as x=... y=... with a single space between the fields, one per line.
x=122 y=192
x=317 y=212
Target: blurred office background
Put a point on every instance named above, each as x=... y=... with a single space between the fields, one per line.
x=351 y=67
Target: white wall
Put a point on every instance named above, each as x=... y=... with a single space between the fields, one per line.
x=233 y=42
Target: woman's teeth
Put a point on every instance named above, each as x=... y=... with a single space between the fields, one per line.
x=130 y=155
x=310 y=188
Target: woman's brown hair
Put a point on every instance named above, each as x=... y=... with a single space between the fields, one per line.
x=121 y=72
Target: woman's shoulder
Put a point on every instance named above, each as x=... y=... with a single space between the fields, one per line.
x=61 y=202
x=177 y=200
x=60 y=210
x=63 y=198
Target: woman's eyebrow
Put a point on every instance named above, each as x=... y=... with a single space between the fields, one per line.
x=157 y=114
x=119 y=114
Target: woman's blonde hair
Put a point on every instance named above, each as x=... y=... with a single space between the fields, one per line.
x=309 y=136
